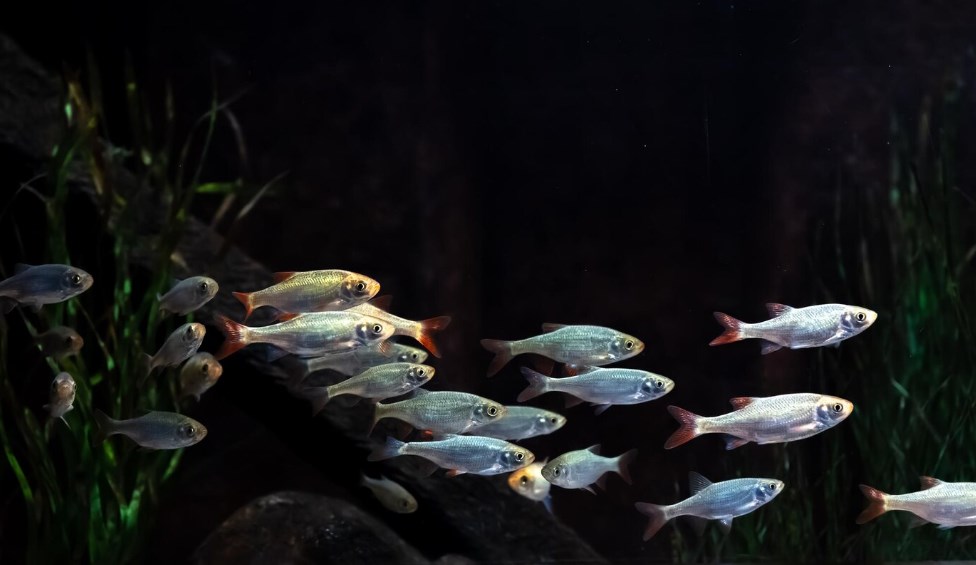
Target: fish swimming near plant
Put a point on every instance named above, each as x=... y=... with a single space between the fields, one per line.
x=461 y=454
x=529 y=482
x=60 y=342
x=720 y=501
x=311 y=291
x=585 y=467
x=522 y=422
x=576 y=346
x=178 y=347
x=774 y=419
x=603 y=387
x=421 y=331
x=947 y=504
x=798 y=328
x=37 y=285
x=62 y=397
x=155 y=430
x=376 y=383
x=391 y=495
x=358 y=360
x=310 y=335
x=442 y=412
x=187 y=295
x=199 y=374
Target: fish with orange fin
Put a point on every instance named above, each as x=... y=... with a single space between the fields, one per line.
x=311 y=291
x=798 y=328
x=421 y=331
x=576 y=346
x=775 y=419
x=946 y=504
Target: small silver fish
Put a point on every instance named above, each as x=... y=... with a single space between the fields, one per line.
x=155 y=430
x=713 y=501
x=310 y=335
x=59 y=342
x=178 y=347
x=62 y=396
x=522 y=422
x=775 y=419
x=421 y=331
x=198 y=374
x=577 y=346
x=391 y=495
x=582 y=468
x=376 y=383
x=358 y=360
x=797 y=328
x=461 y=454
x=311 y=291
x=37 y=285
x=946 y=504
x=187 y=295
x=442 y=412
x=529 y=482
x=601 y=387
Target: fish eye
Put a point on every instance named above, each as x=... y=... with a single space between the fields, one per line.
x=519 y=456
x=404 y=503
x=771 y=486
x=524 y=480
x=556 y=471
x=189 y=332
x=553 y=421
x=421 y=372
x=189 y=430
x=492 y=411
x=838 y=407
x=628 y=345
x=414 y=356
x=659 y=383
x=76 y=279
x=377 y=329
x=204 y=286
x=860 y=316
x=205 y=368
x=360 y=286
x=69 y=339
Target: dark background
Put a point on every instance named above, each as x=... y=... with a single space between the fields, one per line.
x=635 y=165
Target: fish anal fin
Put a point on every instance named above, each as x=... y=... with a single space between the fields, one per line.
x=916 y=522
x=283 y=276
x=776 y=310
x=601 y=408
x=697 y=524
x=549 y=328
x=454 y=472
x=697 y=483
x=602 y=482
x=589 y=489
x=732 y=442
x=740 y=402
x=929 y=482
x=573 y=401
x=767 y=347
x=726 y=525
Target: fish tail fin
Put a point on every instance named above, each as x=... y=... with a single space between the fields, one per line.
x=657 y=517
x=320 y=400
x=503 y=354
x=733 y=329
x=379 y=412
x=147 y=367
x=104 y=427
x=877 y=504
x=623 y=465
x=236 y=336
x=247 y=300
x=689 y=429
x=388 y=450
x=426 y=328
x=538 y=384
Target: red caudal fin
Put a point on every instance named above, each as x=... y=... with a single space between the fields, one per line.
x=426 y=331
x=688 y=430
x=503 y=354
x=236 y=336
x=732 y=327
x=245 y=298
x=877 y=504
x=656 y=515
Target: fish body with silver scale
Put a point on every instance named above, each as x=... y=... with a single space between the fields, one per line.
x=62 y=396
x=585 y=467
x=442 y=412
x=37 y=285
x=376 y=383
x=576 y=346
x=391 y=495
x=178 y=347
x=311 y=291
x=422 y=330
x=310 y=335
x=155 y=430
x=358 y=360
x=947 y=504
x=461 y=454
x=199 y=374
x=798 y=328
x=603 y=387
x=522 y=422
x=60 y=342
x=529 y=482
x=187 y=295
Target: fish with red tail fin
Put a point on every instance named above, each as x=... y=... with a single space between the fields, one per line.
x=798 y=328
x=939 y=502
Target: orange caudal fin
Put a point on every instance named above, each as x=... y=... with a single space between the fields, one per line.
x=656 y=515
x=688 y=430
x=236 y=336
x=245 y=298
x=503 y=354
x=427 y=329
x=733 y=331
x=877 y=504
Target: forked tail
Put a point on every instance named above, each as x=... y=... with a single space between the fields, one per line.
x=503 y=354
x=104 y=426
x=426 y=330
x=689 y=427
x=319 y=398
x=623 y=465
x=538 y=384
x=379 y=412
x=733 y=329
x=388 y=450
x=236 y=336
x=877 y=504
x=657 y=517
x=247 y=300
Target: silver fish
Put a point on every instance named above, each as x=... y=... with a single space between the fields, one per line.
x=187 y=295
x=775 y=419
x=310 y=335
x=59 y=342
x=62 y=396
x=602 y=387
x=573 y=345
x=582 y=468
x=311 y=291
x=178 y=347
x=155 y=430
x=391 y=495
x=461 y=454
x=442 y=412
x=522 y=422
x=37 y=285
x=198 y=374
x=946 y=504
x=376 y=383
x=797 y=328
x=713 y=501
x=529 y=482
x=358 y=360
x=421 y=331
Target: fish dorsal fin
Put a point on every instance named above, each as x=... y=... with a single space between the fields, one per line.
x=382 y=302
x=544 y=461
x=420 y=392
x=776 y=310
x=740 y=402
x=583 y=369
x=21 y=267
x=283 y=276
x=697 y=483
x=929 y=482
x=552 y=327
x=285 y=316
x=594 y=449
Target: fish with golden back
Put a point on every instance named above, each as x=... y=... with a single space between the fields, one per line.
x=422 y=330
x=376 y=383
x=939 y=502
x=187 y=295
x=720 y=501
x=441 y=412
x=60 y=342
x=602 y=387
x=576 y=346
x=529 y=482
x=309 y=335
x=155 y=430
x=199 y=374
x=582 y=468
x=774 y=419
x=37 y=285
x=311 y=291
x=358 y=360
x=798 y=328
x=391 y=495
x=62 y=397
x=178 y=347
x=522 y=422
x=460 y=454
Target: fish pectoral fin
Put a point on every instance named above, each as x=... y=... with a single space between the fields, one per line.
x=35 y=308
x=697 y=524
x=916 y=521
x=601 y=408
x=572 y=401
x=726 y=525
x=589 y=489
x=835 y=345
x=946 y=526
x=454 y=472
x=769 y=347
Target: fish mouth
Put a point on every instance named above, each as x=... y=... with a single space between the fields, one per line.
x=372 y=288
x=872 y=316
